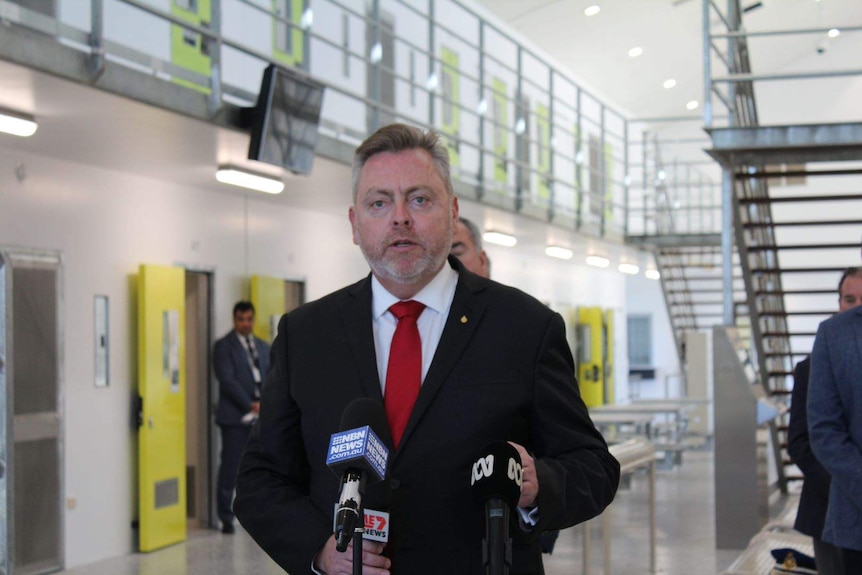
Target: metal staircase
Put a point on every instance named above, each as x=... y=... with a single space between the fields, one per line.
x=768 y=221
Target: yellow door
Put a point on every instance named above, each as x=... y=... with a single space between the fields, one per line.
x=450 y=123
x=609 y=356
x=189 y=49
x=590 y=352
x=267 y=296
x=162 y=426
x=287 y=40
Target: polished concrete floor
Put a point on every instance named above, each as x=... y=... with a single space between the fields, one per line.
x=684 y=545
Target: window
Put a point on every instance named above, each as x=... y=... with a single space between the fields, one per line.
x=640 y=340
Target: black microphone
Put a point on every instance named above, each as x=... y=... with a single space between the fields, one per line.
x=496 y=484
x=355 y=454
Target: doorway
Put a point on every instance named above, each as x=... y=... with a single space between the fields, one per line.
x=31 y=448
x=200 y=397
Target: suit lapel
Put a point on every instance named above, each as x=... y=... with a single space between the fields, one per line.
x=857 y=329
x=356 y=320
x=464 y=317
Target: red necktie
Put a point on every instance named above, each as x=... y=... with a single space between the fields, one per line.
x=404 y=372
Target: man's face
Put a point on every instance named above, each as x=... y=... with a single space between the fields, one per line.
x=465 y=250
x=851 y=293
x=403 y=220
x=243 y=322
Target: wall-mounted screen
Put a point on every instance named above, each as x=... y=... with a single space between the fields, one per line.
x=284 y=131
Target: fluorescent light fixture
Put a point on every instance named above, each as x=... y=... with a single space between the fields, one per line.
x=559 y=252
x=662 y=175
x=376 y=53
x=669 y=83
x=630 y=269
x=431 y=82
x=692 y=105
x=307 y=19
x=833 y=33
x=482 y=107
x=598 y=261
x=245 y=179
x=500 y=239
x=592 y=10
x=652 y=274
x=17 y=124
x=635 y=52
x=520 y=126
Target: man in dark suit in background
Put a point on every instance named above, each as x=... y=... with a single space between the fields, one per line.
x=814 y=499
x=241 y=362
x=835 y=425
x=467 y=247
x=494 y=366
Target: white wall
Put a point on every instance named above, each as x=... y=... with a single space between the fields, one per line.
x=644 y=297
x=106 y=224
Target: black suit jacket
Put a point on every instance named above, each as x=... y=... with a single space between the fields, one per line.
x=502 y=371
x=235 y=378
x=814 y=498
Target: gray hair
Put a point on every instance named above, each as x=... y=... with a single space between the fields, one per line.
x=473 y=230
x=398 y=138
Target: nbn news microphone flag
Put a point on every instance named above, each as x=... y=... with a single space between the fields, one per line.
x=353 y=447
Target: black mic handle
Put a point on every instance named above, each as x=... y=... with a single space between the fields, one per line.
x=497 y=551
x=357 y=548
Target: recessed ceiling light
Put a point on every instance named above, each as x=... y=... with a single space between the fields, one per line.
x=598 y=261
x=17 y=124
x=592 y=10
x=630 y=269
x=652 y=274
x=500 y=239
x=635 y=52
x=559 y=252
x=245 y=179
x=833 y=33
x=669 y=83
x=692 y=105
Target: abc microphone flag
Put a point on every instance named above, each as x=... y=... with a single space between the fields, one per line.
x=355 y=454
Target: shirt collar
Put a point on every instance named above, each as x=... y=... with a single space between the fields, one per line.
x=437 y=295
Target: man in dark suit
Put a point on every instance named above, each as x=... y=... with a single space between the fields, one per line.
x=835 y=424
x=495 y=366
x=814 y=498
x=467 y=247
x=241 y=362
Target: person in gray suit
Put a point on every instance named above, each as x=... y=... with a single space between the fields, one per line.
x=835 y=426
x=241 y=362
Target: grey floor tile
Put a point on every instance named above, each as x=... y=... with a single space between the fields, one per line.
x=685 y=537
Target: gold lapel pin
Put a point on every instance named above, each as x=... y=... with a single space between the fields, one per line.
x=463 y=319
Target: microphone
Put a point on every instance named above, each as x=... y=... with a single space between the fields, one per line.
x=496 y=484
x=354 y=454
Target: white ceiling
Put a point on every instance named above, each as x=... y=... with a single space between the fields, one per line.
x=595 y=48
